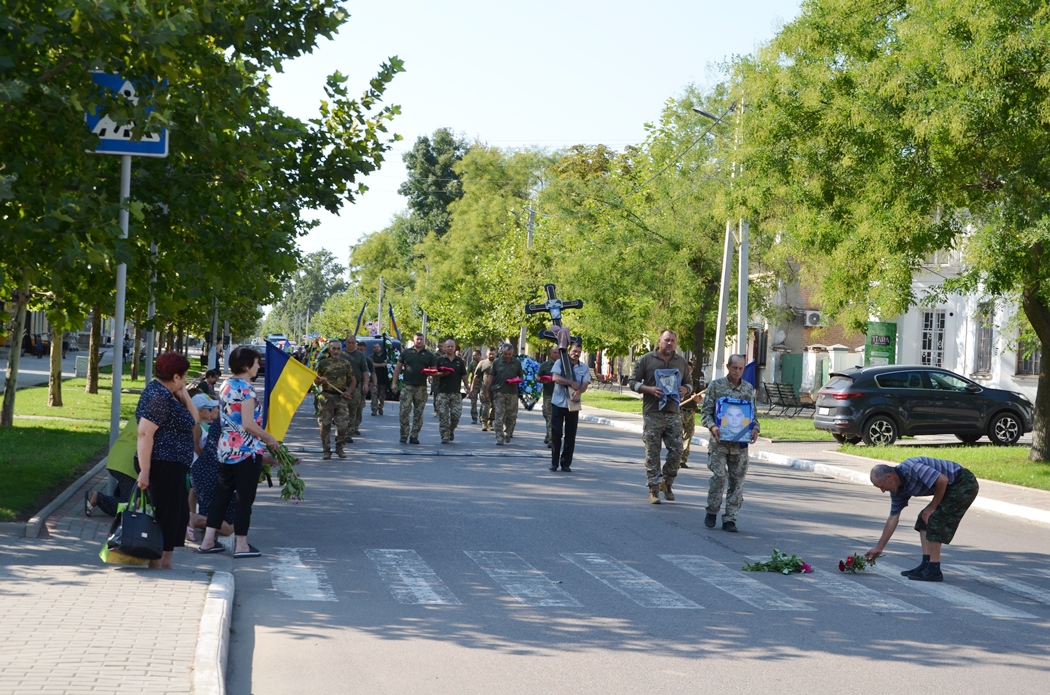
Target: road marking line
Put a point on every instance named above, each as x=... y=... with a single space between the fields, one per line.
x=734 y=583
x=292 y=577
x=521 y=580
x=1009 y=585
x=953 y=595
x=1040 y=570
x=410 y=580
x=643 y=590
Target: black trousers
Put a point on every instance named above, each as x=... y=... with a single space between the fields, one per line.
x=564 y=421
x=242 y=479
x=125 y=484
x=171 y=504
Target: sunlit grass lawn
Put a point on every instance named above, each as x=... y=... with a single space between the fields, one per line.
x=1007 y=464
x=37 y=455
x=610 y=400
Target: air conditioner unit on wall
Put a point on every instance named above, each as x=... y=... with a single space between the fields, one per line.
x=811 y=319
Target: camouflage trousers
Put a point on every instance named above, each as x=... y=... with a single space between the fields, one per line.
x=450 y=409
x=357 y=409
x=726 y=461
x=547 y=411
x=486 y=412
x=413 y=401
x=661 y=428
x=473 y=407
x=944 y=521
x=688 y=430
x=506 y=407
x=378 y=398
x=329 y=411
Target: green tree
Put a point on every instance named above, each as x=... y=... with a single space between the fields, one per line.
x=432 y=185
x=879 y=132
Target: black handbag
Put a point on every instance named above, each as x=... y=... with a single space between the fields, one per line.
x=135 y=531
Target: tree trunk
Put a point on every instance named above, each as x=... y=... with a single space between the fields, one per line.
x=1038 y=313
x=7 y=412
x=137 y=347
x=170 y=338
x=93 y=350
x=54 y=379
x=180 y=340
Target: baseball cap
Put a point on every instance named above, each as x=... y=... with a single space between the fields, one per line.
x=203 y=400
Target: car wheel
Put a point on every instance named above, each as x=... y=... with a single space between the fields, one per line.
x=880 y=431
x=1005 y=429
x=968 y=438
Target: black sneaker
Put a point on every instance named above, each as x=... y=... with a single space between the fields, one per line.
x=683 y=465
x=729 y=526
x=566 y=469
x=404 y=440
x=928 y=574
x=553 y=468
x=914 y=570
x=413 y=440
x=709 y=520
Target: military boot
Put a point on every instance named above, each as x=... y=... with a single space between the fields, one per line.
x=654 y=495
x=666 y=489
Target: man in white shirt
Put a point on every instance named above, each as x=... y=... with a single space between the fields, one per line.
x=565 y=408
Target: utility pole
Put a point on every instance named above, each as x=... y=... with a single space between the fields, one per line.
x=723 y=305
x=528 y=245
x=118 y=314
x=741 y=292
x=379 y=317
x=213 y=351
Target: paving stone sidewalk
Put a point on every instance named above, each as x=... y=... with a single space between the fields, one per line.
x=74 y=625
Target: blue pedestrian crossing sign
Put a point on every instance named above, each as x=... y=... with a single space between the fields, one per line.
x=116 y=139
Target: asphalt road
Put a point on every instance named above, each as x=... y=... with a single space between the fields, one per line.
x=440 y=572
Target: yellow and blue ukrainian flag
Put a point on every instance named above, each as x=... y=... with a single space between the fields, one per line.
x=287 y=381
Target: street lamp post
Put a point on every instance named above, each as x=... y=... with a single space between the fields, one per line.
x=742 y=241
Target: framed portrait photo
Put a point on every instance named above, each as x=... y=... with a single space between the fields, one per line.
x=735 y=418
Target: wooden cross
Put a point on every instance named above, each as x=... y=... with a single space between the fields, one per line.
x=553 y=306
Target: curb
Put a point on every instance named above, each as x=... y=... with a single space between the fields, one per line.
x=1005 y=508
x=33 y=526
x=428 y=452
x=213 y=637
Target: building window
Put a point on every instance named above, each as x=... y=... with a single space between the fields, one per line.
x=1029 y=358
x=932 y=338
x=982 y=358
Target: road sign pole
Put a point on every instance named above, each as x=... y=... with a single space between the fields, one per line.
x=150 y=313
x=118 y=314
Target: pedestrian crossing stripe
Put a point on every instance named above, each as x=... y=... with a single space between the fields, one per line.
x=521 y=580
x=296 y=580
x=411 y=580
x=1009 y=585
x=748 y=590
x=646 y=592
x=953 y=595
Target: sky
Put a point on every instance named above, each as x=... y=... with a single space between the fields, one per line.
x=513 y=75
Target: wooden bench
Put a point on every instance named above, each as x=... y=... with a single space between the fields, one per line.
x=783 y=396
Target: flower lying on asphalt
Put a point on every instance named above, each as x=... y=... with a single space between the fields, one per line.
x=855 y=563
x=780 y=562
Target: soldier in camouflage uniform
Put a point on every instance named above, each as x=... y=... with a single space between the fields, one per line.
x=548 y=390
x=413 y=399
x=336 y=378
x=727 y=460
x=688 y=409
x=381 y=378
x=477 y=385
x=449 y=399
x=503 y=395
x=472 y=366
x=654 y=377
x=362 y=374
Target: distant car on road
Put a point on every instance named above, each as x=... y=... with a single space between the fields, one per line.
x=261 y=349
x=876 y=405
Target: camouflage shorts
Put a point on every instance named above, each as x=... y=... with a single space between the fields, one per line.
x=957 y=499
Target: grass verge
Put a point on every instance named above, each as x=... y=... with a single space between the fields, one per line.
x=621 y=403
x=1006 y=464
x=40 y=457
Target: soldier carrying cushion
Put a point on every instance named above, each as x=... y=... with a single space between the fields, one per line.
x=729 y=414
x=661 y=377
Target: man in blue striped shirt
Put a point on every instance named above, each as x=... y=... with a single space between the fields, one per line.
x=953 y=489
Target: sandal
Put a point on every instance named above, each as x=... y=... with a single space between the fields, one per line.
x=88 y=507
x=251 y=552
x=214 y=549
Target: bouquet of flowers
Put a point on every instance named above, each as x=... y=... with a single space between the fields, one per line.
x=529 y=390
x=292 y=485
x=780 y=562
x=855 y=563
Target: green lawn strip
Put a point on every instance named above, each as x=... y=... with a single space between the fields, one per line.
x=621 y=403
x=38 y=457
x=76 y=403
x=1006 y=464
